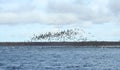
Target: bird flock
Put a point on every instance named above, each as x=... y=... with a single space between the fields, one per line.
x=62 y=36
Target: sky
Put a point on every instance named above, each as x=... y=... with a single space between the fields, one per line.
x=20 y=19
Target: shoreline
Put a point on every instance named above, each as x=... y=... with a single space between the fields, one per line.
x=84 y=43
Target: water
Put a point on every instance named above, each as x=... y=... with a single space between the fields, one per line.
x=64 y=58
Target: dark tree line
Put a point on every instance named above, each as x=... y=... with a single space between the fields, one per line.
x=84 y=43
x=65 y=35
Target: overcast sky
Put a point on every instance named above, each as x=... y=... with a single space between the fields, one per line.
x=20 y=19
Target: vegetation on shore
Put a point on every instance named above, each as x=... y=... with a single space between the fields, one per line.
x=83 y=43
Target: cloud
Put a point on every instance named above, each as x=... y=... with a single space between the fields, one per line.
x=15 y=5
x=15 y=18
x=93 y=11
x=36 y=17
x=114 y=6
x=56 y=12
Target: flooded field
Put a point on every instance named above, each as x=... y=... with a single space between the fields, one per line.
x=58 y=58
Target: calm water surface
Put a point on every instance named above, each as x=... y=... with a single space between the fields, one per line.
x=64 y=58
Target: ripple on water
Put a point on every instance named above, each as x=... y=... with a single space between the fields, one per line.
x=35 y=58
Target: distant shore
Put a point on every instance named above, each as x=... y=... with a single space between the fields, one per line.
x=84 y=43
